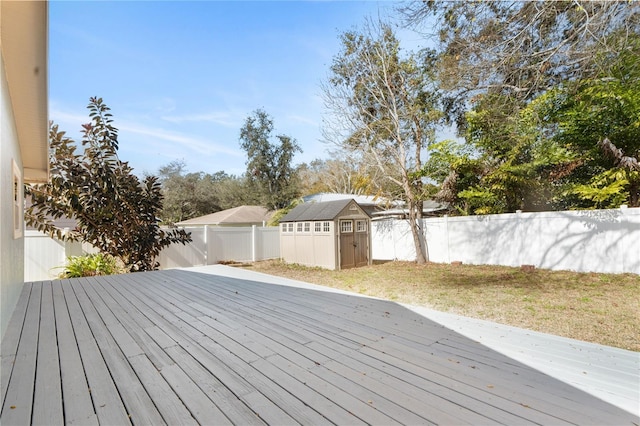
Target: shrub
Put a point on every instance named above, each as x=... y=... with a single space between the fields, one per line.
x=90 y=265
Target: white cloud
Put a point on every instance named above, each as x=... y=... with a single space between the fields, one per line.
x=221 y=118
x=196 y=144
x=303 y=120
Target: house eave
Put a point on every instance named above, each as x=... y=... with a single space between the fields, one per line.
x=24 y=35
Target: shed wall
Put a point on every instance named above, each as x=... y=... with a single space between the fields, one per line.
x=310 y=248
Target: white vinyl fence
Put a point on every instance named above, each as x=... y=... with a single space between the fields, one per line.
x=45 y=257
x=584 y=240
x=212 y=245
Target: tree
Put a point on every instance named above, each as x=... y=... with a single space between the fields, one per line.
x=598 y=119
x=189 y=195
x=520 y=49
x=269 y=164
x=346 y=173
x=500 y=64
x=383 y=106
x=114 y=210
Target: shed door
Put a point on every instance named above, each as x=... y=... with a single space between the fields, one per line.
x=354 y=243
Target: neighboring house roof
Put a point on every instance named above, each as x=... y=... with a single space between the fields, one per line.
x=234 y=216
x=24 y=29
x=329 y=196
x=328 y=210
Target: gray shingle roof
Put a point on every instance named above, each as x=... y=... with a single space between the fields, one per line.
x=316 y=211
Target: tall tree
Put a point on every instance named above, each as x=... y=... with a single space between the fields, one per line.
x=114 y=210
x=269 y=164
x=598 y=119
x=499 y=61
x=189 y=195
x=520 y=49
x=382 y=104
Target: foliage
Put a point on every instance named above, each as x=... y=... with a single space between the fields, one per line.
x=546 y=96
x=279 y=214
x=114 y=210
x=345 y=173
x=598 y=119
x=189 y=195
x=520 y=49
x=384 y=109
x=90 y=265
x=269 y=163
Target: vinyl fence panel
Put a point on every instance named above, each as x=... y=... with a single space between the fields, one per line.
x=584 y=240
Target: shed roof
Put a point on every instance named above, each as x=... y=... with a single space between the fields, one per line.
x=236 y=215
x=328 y=210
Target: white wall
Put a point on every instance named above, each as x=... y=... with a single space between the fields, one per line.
x=11 y=249
x=585 y=240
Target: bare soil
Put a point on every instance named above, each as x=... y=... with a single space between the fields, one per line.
x=598 y=308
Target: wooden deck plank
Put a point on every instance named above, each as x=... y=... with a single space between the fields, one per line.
x=172 y=409
x=106 y=399
x=11 y=339
x=47 y=400
x=424 y=383
x=187 y=337
x=182 y=347
x=18 y=403
x=135 y=324
x=118 y=350
x=352 y=398
x=78 y=408
x=233 y=407
x=201 y=407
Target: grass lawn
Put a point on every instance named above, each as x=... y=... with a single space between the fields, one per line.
x=599 y=308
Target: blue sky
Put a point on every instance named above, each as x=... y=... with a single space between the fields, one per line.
x=181 y=77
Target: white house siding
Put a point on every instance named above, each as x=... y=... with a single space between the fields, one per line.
x=11 y=249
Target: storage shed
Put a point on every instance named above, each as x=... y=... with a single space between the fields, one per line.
x=332 y=235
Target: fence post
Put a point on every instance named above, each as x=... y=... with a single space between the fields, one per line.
x=446 y=237
x=205 y=251
x=254 y=233
x=519 y=239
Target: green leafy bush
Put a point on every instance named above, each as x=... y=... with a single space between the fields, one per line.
x=90 y=265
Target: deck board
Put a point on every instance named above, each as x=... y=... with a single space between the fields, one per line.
x=184 y=347
x=47 y=399
x=18 y=403
x=78 y=408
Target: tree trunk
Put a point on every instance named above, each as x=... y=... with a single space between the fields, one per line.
x=418 y=238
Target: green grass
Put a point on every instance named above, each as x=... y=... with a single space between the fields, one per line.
x=599 y=308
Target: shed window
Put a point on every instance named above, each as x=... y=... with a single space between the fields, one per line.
x=291 y=227
x=299 y=227
x=326 y=227
x=361 y=226
x=284 y=227
x=317 y=227
x=17 y=202
x=307 y=227
x=346 y=226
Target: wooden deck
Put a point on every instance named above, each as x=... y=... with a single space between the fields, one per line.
x=183 y=347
